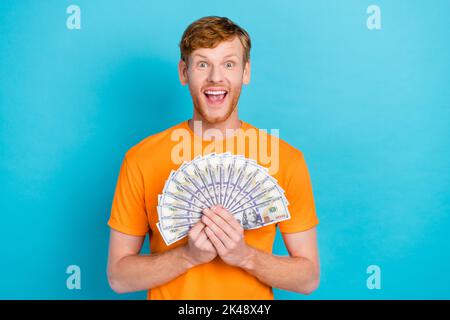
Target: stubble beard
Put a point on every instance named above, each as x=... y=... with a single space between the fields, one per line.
x=201 y=107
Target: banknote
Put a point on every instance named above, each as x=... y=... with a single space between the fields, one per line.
x=172 y=235
x=239 y=184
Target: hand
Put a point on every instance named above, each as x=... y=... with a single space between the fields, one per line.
x=227 y=236
x=199 y=249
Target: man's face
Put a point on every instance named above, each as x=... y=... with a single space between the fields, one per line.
x=215 y=77
x=251 y=217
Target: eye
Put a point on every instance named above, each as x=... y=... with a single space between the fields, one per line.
x=202 y=64
x=229 y=65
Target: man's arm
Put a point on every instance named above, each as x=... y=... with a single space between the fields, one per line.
x=299 y=272
x=128 y=271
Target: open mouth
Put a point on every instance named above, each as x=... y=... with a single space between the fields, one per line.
x=215 y=96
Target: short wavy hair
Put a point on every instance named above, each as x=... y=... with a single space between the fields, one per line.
x=208 y=32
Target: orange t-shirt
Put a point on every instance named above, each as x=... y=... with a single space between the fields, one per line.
x=143 y=173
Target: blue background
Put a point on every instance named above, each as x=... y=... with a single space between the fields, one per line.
x=368 y=108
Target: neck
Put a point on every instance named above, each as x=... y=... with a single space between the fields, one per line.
x=210 y=130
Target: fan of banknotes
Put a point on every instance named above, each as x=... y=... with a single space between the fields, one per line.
x=237 y=183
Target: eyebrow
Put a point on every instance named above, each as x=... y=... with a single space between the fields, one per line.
x=204 y=57
x=231 y=55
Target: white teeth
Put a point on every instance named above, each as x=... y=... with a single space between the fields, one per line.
x=215 y=92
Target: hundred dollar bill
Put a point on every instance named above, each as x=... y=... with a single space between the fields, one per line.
x=172 y=235
x=252 y=187
x=268 y=212
x=170 y=199
x=185 y=188
x=224 y=170
x=170 y=224
x=258 y=215
x=229 y=178
x=202 y=168
x=167 y=214
x=245 y=179
x=194 y=180
x=241 y=185
x=210 y=163
x=239 y=172
x=252 y=199
x=198 y=177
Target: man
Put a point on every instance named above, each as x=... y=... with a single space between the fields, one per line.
x=251 y=218
x=218 y=259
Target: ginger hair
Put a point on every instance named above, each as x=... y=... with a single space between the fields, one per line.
x=209 y=32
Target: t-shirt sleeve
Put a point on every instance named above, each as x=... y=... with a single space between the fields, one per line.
x=301 y=200
x=128 y=214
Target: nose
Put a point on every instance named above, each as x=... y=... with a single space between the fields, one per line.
x=215 y=74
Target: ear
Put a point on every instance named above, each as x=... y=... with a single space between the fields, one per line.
x=246 y=75
x=182 y=72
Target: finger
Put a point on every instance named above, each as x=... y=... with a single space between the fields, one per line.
x=201 y=237
x=196 y=229
x=228 y=217
x=215 y=241
x=212 y=219
x=219 y=232
x=221 y=223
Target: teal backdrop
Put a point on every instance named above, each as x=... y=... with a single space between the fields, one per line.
x=369 y=109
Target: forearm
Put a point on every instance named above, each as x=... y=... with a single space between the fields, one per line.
x=143 y=272
x=288 y=273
